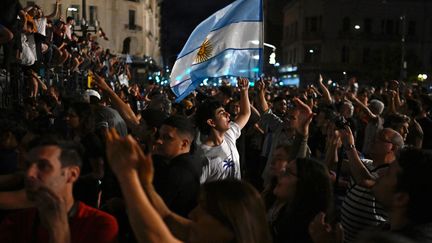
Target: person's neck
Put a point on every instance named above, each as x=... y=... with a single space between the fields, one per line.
x=69 y=202
x=421 y=115
x=386 y=159
x=215 y=138
x=398 y=220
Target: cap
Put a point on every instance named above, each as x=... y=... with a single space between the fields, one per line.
x=92 y=92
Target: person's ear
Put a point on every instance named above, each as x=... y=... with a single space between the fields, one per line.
x=400 y=199
x=73 y=173
x=211 y=122
x=185 y=143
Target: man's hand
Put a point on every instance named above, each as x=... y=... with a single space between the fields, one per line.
x=304 y=117
x=52 y=207
x=320 y=79
x=243 y=83
x=260 y=85
x=53 y=213
x=125 y=155
x=100 y=82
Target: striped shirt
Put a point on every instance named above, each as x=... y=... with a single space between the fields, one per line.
x=360 y=210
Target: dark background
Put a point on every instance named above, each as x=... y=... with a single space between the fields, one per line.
x=179 y=18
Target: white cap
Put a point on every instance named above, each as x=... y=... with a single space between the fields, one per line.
x=92 y=92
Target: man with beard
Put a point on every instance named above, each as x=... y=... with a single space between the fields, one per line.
x=52 y=169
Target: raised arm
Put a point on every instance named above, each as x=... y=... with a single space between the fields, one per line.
x=125 y=111
x=354 y=99
x=325 y=92
x=333 y=144
x=125 y=158
x=14 y=200
x=394 y=85
x=301 y=122
x=262 y=103
x=245 y=110
x=55 y=13
x=391 y=102
x=358 y=170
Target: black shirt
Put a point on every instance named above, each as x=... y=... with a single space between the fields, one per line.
x=178 y=181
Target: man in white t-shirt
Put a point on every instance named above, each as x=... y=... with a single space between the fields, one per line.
x=40 y=18
x=219 y=146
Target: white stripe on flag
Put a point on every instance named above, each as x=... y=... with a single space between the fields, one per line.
x=236 y=36
x=239 y=36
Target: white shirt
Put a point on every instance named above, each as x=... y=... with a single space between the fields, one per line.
x=41 y=25
x=223 y=161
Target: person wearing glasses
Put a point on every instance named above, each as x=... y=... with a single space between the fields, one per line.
x=360 y=210
x=302 y=191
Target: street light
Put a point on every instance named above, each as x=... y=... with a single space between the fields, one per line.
x=272 y=60
x=273 y=55
x=422 y=77
x=357 y=27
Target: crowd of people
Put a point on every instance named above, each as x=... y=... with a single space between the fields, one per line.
x=122 y=162
x=42 y=53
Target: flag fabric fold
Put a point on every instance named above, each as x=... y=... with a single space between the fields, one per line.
x=228 y=43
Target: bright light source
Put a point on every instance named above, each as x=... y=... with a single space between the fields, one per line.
x=277 y=64
x=311 y=51
x=344 y=73
x=255 y=42
x=422 y=77
x=72 y=9
x=357 y=27
x=272 y=58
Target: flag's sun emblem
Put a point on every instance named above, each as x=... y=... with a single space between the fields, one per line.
x=205 y=52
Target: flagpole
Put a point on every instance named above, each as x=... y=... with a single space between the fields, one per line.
x=262 y=43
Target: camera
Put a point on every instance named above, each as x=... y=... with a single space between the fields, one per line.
x=340 y=122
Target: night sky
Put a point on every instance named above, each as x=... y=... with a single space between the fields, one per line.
x=179 y=18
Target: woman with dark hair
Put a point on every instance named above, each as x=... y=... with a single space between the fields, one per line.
x=81 y=128
x=80 y=121
x=278 y=165
x=228 y=211
x=302 y=192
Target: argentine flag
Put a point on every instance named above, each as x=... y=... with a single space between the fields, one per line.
x=230 y=42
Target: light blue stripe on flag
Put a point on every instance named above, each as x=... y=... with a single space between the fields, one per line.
x=228 y=43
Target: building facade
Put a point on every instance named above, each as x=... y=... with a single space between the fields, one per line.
x=132 y=26
x=371 y=39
